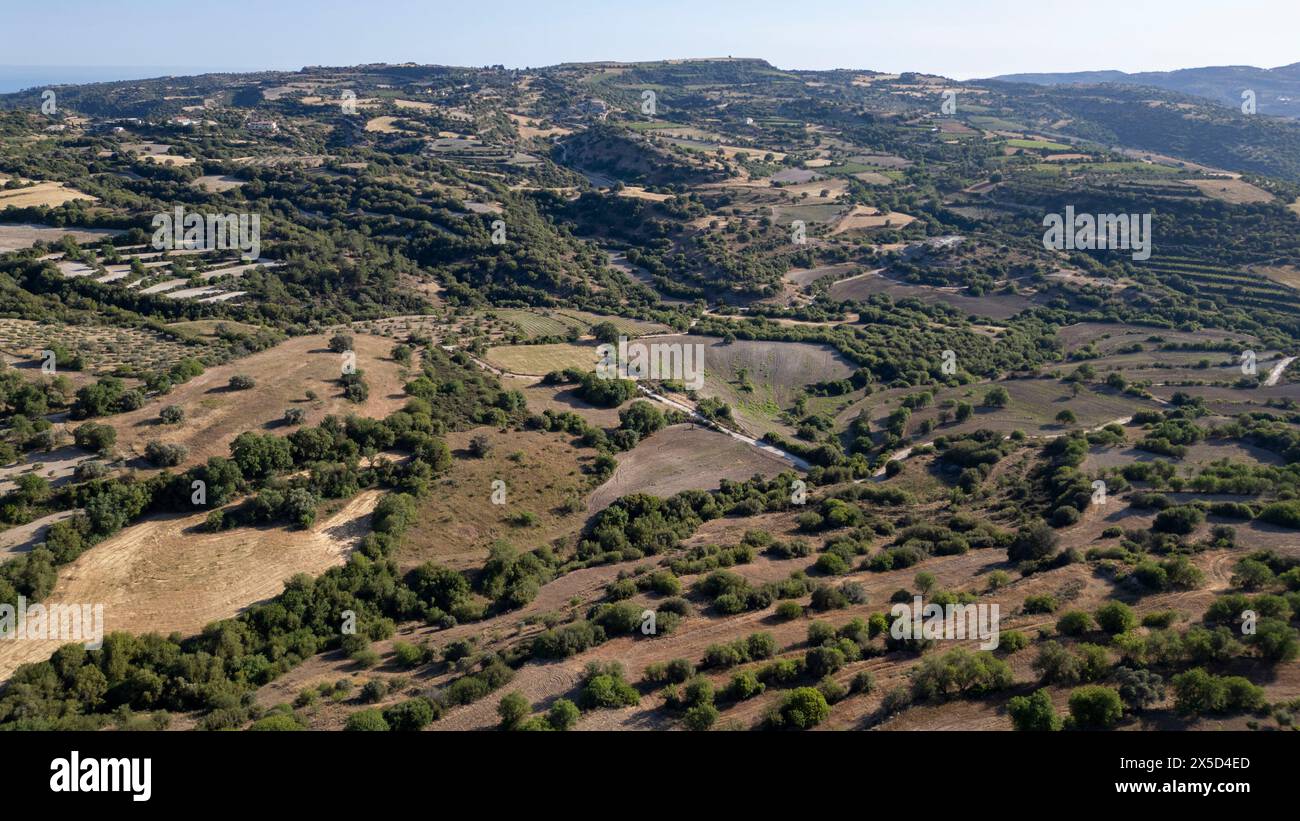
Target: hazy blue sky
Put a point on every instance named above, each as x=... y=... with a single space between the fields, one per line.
x=956 y=38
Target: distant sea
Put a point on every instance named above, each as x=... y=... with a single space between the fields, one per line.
x=18 y=78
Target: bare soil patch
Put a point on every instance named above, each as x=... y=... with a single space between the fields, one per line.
x=217 y=182
x=1233 y=191
x=682 y=457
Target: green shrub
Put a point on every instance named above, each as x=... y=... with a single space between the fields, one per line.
x=1040 y=603
x=605 y=688
x=1283 y=514
x=832 y=564
x=371 y=720
x=800 y=709
x=1139 y=689
x=563 y=715
x=408 y=655
x=744 y=685
x=1074 y=623
x=700 y=717
x=789 y=610
x=1197 y=692
x=365 y=658
x=1012 y=641
x=513 y=709
x=374 y=690
x=1116 y=617
x=820 y=632
x=698 y=690
x=620 y=589
x=760 y=646
x=832 y=689
x=1033 y=713
x=862 y=682
x=1179 y=520
x=675 y=671
x=1159 y=619
x=410 y=715
x=959 y=672
x=1096 y=707
x=277 y=722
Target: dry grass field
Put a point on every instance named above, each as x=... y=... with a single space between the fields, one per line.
x=1107 y=337
x=864 y=217
x=1231 y=190
x=166 y=574
x=1198 y=455
x=414 y=105
x=638 y=193
x=384 y=125
x=559 y=399
x=817 y=190
x=215 y=415
x=1288 y=275
x=539 y=360
x=873 y=178
x=206 y=329
x=543 y=476
x=807 y=276
x=16 y=236
x=529 y=130
x=51 y=194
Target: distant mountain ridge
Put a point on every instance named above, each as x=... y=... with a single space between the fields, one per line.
x=1277 y=90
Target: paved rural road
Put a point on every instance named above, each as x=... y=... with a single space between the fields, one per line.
x=1276 y=373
